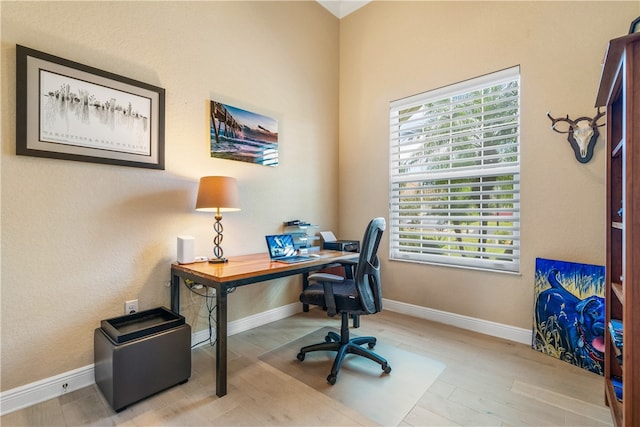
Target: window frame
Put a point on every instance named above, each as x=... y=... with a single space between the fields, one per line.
x=417 y=152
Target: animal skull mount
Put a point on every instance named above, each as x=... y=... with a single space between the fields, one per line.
x=582 y=133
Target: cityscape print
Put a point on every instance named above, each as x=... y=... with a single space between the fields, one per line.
x=83 y=114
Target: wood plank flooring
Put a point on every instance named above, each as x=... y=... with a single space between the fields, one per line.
x=487 y=382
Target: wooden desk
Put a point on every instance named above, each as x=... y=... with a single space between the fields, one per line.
x=241 y=271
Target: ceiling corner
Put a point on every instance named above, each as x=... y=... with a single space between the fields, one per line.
x=342 y=8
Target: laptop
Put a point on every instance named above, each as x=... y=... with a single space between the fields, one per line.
x=282 y=249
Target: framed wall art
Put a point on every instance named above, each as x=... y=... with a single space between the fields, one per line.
x=66 y=110
x=237 y=134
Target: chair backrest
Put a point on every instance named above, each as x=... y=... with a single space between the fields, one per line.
x=367 y=274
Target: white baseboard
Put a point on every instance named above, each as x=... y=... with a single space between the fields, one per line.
x=486 y=327
x=49 y=388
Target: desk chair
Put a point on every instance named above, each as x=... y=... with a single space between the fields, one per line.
x=360 y=295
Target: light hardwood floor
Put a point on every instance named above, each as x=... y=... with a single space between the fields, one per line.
x=487 y=381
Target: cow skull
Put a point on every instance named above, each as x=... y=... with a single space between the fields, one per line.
x=583 y=133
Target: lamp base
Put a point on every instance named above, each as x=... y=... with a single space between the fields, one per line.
x=217 y=260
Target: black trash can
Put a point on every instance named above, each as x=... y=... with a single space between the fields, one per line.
x=140 y=354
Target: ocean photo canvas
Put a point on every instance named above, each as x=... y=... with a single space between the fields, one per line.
x=237 y=134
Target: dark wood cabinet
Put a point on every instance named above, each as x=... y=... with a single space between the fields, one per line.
x=619 y=92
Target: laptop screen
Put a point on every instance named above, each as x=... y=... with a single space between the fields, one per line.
x=280 y=245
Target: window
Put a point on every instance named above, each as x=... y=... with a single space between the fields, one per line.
x=455 y=174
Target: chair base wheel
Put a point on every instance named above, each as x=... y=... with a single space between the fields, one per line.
x=343 y=345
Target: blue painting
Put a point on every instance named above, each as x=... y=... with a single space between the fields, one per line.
x=569 y=312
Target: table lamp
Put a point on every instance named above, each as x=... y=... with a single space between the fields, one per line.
x=217 y=194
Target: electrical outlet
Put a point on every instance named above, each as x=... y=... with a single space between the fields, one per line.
x=131 y=306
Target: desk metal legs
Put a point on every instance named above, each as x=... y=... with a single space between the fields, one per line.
x=221 y=330
x=305 y=284
x=221 y=337
x=175 y=293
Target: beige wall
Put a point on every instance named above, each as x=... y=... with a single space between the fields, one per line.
x=78 y=239
x=390 y=50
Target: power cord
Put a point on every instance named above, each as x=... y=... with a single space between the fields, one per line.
x=211 y=306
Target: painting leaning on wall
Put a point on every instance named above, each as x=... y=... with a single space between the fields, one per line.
x=569 y=312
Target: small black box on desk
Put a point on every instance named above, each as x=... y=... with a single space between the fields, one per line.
x=342 y=245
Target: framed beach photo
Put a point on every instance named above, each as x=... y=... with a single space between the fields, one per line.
x=238 y=134
x=66 y=110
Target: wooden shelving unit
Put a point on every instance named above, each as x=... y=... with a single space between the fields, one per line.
x=619 y=91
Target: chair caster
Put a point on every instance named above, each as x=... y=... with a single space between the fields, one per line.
x=300 y=356
x=331 y=379
x=386 y=368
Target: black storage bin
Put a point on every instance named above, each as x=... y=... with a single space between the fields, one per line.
x=140 y=354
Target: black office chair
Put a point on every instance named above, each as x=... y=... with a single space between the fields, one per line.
x=360 y=295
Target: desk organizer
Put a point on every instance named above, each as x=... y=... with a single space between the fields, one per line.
x=140 y=354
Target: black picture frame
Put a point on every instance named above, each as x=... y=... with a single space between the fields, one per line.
x=71 y=111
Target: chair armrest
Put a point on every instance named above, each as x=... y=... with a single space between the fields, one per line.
x=325 y=277
x=327 y=280
x=349 y=266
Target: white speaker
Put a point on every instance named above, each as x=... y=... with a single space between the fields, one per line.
x=186 y=250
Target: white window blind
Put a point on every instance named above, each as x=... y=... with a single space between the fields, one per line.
x=455 y=174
